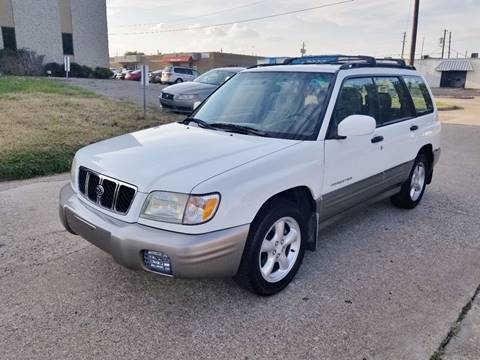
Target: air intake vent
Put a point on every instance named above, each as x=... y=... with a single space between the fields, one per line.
x=106 y=192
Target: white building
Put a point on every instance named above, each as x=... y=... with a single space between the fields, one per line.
x=55 y=28
x=457 y=73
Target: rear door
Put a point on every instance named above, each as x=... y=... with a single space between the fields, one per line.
x=397 y=127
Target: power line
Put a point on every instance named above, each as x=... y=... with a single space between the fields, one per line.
x=237 y=21
x=181 y=20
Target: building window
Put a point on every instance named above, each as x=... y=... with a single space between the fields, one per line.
x=67 y=40
x=9 y=39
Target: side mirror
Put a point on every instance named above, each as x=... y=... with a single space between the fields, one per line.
x=356 y=125
x=196 y=104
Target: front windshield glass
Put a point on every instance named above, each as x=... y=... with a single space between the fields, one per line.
x=215 y=77
x=280 y=104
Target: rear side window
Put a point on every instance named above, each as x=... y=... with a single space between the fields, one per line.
x=421 y=97
x=357 y=97
x=393 y=101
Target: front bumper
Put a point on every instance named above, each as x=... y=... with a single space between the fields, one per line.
x=184 y=106
x=215 y=254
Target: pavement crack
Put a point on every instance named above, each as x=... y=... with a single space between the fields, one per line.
x=455 y=328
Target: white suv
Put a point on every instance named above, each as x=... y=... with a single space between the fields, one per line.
x=175 y=75
x=243 y=186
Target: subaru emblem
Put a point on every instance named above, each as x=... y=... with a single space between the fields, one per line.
x=99 y=190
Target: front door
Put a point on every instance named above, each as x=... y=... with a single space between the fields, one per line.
x=353 y=166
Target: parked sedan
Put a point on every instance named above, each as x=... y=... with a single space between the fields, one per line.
x=156 y=76
x=134 y=75
x=181 y=97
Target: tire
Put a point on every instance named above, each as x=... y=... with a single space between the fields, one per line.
x=413 y=189
x=263 y=236
x=178 y=81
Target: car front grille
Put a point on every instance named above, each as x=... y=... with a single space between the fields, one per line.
x=167 y=96
x=108 y=193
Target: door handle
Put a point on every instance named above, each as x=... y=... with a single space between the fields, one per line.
x=413 y=128
x=377 y=139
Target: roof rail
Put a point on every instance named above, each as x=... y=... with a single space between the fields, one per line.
x=331 y=59
x=346 y=61
x=350 y=61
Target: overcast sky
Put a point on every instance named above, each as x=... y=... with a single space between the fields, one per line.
x=372 y=27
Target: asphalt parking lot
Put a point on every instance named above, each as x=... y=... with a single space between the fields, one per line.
x=384 y=284
x=123 y=90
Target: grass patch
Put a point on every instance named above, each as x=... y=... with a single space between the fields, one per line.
x=16 y=84
x=44 y=122
x=445 y=106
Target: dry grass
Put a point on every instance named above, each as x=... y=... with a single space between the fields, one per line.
x=41 y=130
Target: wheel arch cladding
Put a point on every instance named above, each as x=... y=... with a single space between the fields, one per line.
x=302 y=197
x=428 y=151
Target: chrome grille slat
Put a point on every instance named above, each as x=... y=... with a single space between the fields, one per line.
x=93 y=180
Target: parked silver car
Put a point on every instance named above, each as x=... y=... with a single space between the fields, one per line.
x=182 y=97
x=176 y=75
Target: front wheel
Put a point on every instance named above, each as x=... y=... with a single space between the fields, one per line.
x=413 y=189
x=274 y=249
x=178 y=81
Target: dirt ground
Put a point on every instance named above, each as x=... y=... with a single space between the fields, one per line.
x=469 y=115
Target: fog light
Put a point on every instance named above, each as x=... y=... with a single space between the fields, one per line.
x=157 y=261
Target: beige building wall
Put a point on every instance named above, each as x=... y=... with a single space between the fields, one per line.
x=427 y=67
x=6 y=13
x=37 y=27
x=6 y=16
x=65 y=9
x=473 y=77
x=90 y=32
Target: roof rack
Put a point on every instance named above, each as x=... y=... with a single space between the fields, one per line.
x=349 y=61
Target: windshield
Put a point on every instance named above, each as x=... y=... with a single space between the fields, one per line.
x=215 y=77
x=280 y=104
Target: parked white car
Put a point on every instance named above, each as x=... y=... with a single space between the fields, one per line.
x=177 y=74
x=243 y=186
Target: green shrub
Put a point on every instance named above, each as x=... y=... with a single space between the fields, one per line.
x=80 y=71
x=102 y=73
x=55 y=69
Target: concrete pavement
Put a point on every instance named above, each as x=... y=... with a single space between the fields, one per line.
x=384 y=284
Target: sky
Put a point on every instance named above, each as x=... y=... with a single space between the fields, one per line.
x=368 y=27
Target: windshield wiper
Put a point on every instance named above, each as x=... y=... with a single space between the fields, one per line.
x=239 y=129
x=199 y=122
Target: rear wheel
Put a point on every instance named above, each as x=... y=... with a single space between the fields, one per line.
x=413 y=189
x=274 y=249
x=178 y=81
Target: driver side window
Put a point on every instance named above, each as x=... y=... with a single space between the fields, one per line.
x=357 y=97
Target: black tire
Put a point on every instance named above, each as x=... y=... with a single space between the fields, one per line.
x=404 y=199
x=249 y=275
x=178 y=81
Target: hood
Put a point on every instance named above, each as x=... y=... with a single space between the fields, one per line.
x=189 y=87
x=175 y=157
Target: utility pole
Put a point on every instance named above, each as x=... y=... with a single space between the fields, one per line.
x=414 y=32
x=443 y=43
x=403 y=43
x=449 y=43
x=303 y=51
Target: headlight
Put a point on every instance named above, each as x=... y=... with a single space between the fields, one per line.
x=186 y=97
x=180 y=208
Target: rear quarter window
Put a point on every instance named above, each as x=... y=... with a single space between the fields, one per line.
x=419 y=92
